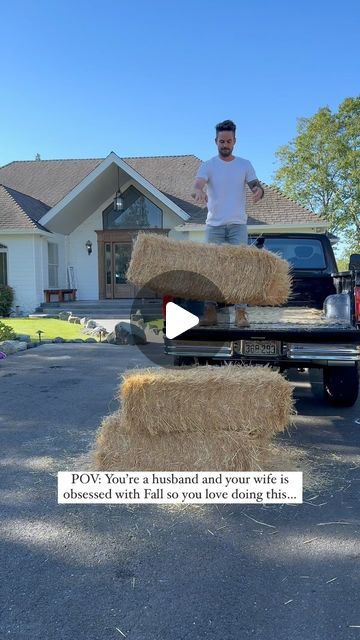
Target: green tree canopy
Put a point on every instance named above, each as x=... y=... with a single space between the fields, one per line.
x=320 y=168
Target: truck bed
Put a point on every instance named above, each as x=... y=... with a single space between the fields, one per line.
x=305 y=324
x=282 y=318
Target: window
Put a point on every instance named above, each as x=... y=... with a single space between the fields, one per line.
x=301 y=253
x=3 y=265
x=139 y=213
x=53 y=265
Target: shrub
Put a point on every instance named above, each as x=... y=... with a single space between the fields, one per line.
x=6 y=300
x=6 y=332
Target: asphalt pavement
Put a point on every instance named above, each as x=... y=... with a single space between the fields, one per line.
x=201 y=572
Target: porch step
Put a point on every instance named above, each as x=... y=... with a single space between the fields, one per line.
x=103 y=308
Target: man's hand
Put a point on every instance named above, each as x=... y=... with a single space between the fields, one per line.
x=257 y=194
x=257 y=190
x=199 y=196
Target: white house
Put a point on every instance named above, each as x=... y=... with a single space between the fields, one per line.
x=58 y=227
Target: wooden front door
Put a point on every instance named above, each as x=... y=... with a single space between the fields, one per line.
x=114 y=249
x=117 y=259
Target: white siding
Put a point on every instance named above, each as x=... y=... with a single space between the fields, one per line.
x=24 y=269
x=86 y=266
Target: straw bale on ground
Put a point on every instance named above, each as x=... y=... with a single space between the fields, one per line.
x=194 y=418
x=192 y=270
x=118 y=449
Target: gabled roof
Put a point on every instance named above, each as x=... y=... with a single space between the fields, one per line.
x=46 y=180
x=49 y=181
x=19 y=211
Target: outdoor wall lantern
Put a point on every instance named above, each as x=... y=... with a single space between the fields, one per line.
x=88 y=245
x=118 y=201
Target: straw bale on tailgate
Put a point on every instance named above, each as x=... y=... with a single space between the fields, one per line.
x=254 y=400
x=118 y=449
x=185 y=269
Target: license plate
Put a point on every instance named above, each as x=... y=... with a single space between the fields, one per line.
x=259 y=347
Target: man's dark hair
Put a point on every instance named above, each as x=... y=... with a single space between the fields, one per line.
x=227 y=125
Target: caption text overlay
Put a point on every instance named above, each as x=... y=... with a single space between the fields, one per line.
x=169 y=487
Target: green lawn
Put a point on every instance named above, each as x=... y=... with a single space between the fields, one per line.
x=51 y=327
x=156 y=323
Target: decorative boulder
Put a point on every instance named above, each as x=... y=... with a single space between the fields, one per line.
x=8 y=347
x=12 y=346
x=84 y=321
x=91 y=324
x=64 y=315
x=23 y=337
x=127 y=333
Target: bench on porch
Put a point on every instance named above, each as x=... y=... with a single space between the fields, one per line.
x=60 y=293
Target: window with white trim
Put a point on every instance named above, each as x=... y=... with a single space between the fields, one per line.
x=53 y=265
x=3 y=265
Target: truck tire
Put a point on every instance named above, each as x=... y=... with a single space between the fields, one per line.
x=341 y=385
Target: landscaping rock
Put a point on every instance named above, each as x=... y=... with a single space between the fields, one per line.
x=91 y=324
x=74 y=319
x=136 y=317
x=140 y=323
x=12 y=346
x=8 y=347
x=64 y=315
x=23 y=337
x=22 y=346
x=99 y=331
x=127 y=333
x=111 y=338
x=84 y=321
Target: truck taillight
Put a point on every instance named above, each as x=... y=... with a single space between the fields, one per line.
x=357 y=303
x=165 y=300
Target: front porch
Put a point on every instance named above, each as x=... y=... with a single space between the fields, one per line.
x=121 y=308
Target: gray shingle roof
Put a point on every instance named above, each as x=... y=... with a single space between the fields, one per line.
x=49 y=181
x=46 y=180
x=18 y=211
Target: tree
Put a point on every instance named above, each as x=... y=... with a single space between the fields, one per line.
x=37 y=157
x=320 y=168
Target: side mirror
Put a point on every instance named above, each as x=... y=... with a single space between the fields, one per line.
x=354 y=262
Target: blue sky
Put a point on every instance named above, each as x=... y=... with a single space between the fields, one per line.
x=152 y=77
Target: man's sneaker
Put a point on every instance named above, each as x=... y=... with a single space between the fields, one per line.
x=210 y=316
x=241 y=319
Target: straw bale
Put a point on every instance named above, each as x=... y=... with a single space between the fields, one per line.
x=205 y=399
x=200 y=271
x=118 y=449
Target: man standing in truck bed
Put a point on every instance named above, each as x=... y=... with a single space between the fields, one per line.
x=226 y=177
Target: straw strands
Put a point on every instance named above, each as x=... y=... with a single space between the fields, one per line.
x=233 y=274
x=194 y=418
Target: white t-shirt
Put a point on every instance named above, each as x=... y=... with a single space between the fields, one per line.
x=226 y=183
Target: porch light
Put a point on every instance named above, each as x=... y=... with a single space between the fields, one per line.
x=118 y=200
x=88 y=245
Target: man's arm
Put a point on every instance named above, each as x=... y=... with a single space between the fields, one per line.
x=197 y=192
x=257 y=190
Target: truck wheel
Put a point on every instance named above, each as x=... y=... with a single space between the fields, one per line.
x=341 y=385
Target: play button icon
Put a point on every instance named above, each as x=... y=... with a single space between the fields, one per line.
x=159 y=301
x=178 y=320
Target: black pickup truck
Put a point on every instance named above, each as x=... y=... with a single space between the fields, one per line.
x=318 y=328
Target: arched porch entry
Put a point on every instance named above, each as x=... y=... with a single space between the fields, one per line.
x=115 y=242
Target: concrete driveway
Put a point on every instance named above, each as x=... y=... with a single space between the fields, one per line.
x=232 y=572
